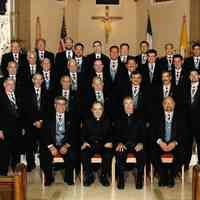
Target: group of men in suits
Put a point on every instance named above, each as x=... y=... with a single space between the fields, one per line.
x=76 y=106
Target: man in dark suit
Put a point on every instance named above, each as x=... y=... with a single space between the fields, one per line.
x=124 y=52
x=14 y=55
x=168 y=134
x=36 y=110
x=165 y=89
x=62 y=58
x=96 y=138
x=142 y=57
x=166 y=62
x=80 y=58
x=98 y=93
x=97 y=54
x=50 y=79
x=192 y=95
x=26 y=73
x=42 y=53
x=193 y=62
x=11 y=125
x=116 y=75
x=131 y=67
x=58 y=139
x=179 y=73
x=151 y=71
x=130 y=134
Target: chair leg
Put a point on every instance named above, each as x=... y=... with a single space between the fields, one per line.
x=113 y=171
x=74 y=175
x=151 y=166
x=145 y=175
x=42 y=177
x=81 y=174
x=183 y=174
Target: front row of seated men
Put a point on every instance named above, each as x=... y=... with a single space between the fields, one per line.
x=97 y=137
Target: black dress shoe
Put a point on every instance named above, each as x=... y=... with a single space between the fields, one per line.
x=171 y=181
x=104 y=181
x=139 y=182
x=162 y=182
x=88 y=180
x=120 y=184
x=48 y=181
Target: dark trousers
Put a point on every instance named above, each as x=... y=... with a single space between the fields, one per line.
x=46 y=165
x=163 y=168
x=121 y=161
x=105 y=153
x=32 y=141
x=9 y=152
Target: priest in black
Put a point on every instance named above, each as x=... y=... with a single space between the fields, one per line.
x=96 y=137
x=129 y=138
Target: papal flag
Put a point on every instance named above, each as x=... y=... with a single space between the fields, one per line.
x=63 y=35
x=149 y=32
x=38 y=29
x=184 y=38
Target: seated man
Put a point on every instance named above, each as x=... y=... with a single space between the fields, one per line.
x=58 y=139
x=96 y=138
x=168 y=132
x=129 y=138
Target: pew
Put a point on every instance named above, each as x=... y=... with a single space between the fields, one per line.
x=14 y=187
x=196 y=183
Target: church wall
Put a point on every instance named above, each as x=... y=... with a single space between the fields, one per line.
x=166 y=20
x=122 y=30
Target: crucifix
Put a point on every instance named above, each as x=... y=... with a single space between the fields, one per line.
x=107 y=20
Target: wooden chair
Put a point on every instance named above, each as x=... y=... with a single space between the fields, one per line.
x=56 y=160
x=14 y=187
x=98 y=159
x=132 y=159
x=167 y=158
x=196 y=183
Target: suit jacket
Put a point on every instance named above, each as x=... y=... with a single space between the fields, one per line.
x=50 y=132
x=90 y=98
x=193 y=109
x=144 y=102
x=178 y=131
x=189 y=64
x=139 y=59
x=53 y=80
x=182 y=80
x=130 y=130
x=156 y=75
x=25 y=75
x=7 y=57
x=163 y=62
x=47 y=54
x=12 y=117
x=32 y=112
x=96 y=131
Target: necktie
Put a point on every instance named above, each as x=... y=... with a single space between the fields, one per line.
x=69 y=55
x=12 y=96
x=177 y=77
x=65 y=94
x=98 y=56
x=60 y=118
x=41 y=55
x=46 y=76
x=38 y=97
x=168 y=117
x=13 y=77
x=16 y=57
x=166 y=91
x=169 y=60
x=135 y=91
x=74 y=81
